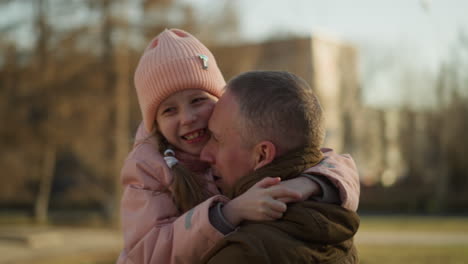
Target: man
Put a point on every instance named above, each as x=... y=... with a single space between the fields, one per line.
x=269 y=124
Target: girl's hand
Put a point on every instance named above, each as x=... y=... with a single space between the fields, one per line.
x=305 y=186
x=262 y=202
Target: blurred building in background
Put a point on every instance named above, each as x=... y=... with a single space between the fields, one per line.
x=328 y=65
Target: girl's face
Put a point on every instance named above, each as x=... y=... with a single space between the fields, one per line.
x=183 y=119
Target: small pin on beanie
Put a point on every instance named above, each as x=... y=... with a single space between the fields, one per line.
x=174 y=61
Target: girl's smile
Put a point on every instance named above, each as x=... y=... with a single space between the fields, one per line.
x=183 y=117
x=195 y=136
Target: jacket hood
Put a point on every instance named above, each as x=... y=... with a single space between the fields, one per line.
x=318 y=223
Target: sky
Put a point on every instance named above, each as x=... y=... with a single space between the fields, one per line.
x=429 y=26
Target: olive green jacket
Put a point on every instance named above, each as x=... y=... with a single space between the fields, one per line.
x=309 y=232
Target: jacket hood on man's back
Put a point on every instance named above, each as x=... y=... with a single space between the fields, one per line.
x=318 y=223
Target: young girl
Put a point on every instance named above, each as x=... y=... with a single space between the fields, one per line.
x=168 y=205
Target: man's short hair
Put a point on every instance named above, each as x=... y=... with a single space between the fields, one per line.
x=279 y=107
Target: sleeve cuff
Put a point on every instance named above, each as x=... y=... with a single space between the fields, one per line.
x=218 y=221
x=329 y=191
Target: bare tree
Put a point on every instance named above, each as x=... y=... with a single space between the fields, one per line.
x=49 y=149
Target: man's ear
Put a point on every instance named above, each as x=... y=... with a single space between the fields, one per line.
x=264 y=153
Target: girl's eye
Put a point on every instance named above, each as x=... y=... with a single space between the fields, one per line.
x=168 y=110
x=198 y=99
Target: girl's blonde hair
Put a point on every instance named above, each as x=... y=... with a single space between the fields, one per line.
x=188 y=189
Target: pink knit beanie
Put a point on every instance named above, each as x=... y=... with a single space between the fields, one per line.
x=174 y=61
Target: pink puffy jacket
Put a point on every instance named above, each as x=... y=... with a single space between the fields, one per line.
x=153 y=230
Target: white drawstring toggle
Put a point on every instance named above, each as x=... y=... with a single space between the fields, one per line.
x=169 y=157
